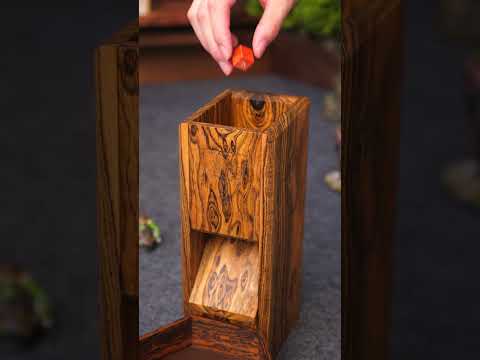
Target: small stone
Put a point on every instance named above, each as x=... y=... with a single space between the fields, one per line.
x=148 y=233
x=334 y=180
x=24 y=307
x=242 y=58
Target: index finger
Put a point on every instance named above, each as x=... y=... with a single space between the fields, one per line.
x=270 y=24
x=220 y=18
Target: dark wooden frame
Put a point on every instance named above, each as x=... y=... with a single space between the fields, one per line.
x=371 y=74
x=371 y=77
x=116 y=74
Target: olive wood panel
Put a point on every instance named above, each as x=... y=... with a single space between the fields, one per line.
x=226 y=286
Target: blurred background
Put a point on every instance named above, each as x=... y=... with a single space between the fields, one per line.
x=47 y=181
x=48 y=178
x=435 y=313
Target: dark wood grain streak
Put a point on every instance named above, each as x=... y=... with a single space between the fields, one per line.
x=161 y=342
x=117 y=196
x=371 y=74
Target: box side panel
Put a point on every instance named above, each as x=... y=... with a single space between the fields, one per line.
x=128 y=135
x=192 y=241
x=282 y=244
x=108 y=217
x=117 y=199
x=295 y=188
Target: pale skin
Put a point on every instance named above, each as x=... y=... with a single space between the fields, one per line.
x=210 y=20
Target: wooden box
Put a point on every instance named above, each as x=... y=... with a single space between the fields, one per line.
x=243 y=163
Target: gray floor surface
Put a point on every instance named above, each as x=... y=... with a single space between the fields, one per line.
x=317 y=335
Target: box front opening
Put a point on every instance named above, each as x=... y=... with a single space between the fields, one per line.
x=226 y=284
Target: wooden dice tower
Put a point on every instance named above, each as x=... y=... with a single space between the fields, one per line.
x=243 y=160
x=242 y=173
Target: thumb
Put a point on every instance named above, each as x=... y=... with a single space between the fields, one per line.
x=270 y=24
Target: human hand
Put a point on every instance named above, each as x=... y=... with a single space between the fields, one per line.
x=210 y=20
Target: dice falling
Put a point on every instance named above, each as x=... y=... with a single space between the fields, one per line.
x=242 y=58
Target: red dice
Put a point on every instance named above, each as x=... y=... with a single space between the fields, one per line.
x=242 y=58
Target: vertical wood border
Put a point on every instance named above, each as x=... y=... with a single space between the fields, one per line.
x=281 y=246
x=117 y=89
x=371 y=81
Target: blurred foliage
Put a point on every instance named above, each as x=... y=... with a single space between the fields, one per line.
x=149 y=233
x=24 y=306
x=315 y=17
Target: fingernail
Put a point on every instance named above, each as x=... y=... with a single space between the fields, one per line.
x=260 y=48
x=225 y=52
x=226 y=67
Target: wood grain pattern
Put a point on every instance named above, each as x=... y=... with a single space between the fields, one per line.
x=198 y=334
x=282 y=243
x=371 y=74
x=258 y=110
x=161 y=342
x=281 y=124
x=192 y=241
x=117 y=196
x=225 y=180
x=238 y=342
x=226 y=286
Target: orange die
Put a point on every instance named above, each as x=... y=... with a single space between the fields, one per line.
x=242 y=57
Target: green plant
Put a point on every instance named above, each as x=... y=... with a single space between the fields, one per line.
x=316 y=17
x=150 y=224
